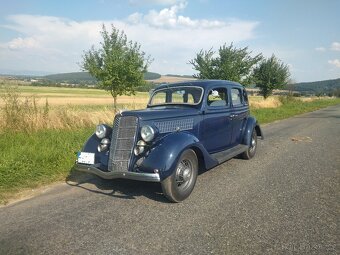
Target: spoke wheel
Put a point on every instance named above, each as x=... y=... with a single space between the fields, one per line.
x=251 y=151
x=183 y=174
x=180 y=184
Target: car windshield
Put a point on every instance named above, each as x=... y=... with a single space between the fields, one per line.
x=188 y=95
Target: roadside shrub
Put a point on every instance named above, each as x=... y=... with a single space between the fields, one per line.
x=289 y=99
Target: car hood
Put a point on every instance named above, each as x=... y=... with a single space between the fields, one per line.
x=162 y=112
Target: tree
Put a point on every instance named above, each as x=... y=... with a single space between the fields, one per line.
x=232 y=63
x=271 y=74
x=118 y=64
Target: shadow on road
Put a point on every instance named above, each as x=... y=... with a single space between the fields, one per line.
x=118 y=188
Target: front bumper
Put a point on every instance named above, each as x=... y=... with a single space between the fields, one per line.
x=92 y=169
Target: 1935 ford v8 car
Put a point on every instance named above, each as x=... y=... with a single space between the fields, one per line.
x=185 y=127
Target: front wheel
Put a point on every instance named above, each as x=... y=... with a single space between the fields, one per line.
x=179 y=185
x=250 y=152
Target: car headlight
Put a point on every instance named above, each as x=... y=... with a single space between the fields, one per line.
x=140 y=147
x=101 y=131
x=147 y=133
x=104 y=145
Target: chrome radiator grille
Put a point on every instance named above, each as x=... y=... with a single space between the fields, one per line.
x=122 y=142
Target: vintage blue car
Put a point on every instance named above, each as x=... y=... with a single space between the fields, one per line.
x=186 y=127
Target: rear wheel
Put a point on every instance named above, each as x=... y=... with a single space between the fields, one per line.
x=179 y=185
x=250 y=152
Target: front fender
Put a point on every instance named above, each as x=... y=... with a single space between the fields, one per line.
x=250 y=125
x=101 y=158
x=165 y=155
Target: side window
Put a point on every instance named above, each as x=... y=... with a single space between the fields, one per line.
x=218 y=97
x=236 y=97
x=245 y=97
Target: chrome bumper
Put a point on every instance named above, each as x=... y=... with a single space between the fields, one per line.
x=92 y=169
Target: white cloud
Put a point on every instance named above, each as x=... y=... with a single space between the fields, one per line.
x=158 y=2
x=168 y=17
x=322 y=49
x=56 y=44
x=335 y=46
x=335 y=62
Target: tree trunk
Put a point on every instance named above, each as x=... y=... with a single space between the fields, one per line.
x=115 y=104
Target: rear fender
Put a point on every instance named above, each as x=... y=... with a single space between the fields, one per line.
x=251 y=124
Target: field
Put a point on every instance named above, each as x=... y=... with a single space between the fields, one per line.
x=42 y=128
x=65 y=108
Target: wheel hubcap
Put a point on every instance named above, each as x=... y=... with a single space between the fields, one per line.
x=183 y=173
x=253 y=144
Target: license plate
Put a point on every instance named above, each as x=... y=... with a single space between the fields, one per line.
x=86 y=158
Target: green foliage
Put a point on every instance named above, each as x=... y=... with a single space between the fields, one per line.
x=118 y=65
x=271 y=74
x=232 y=63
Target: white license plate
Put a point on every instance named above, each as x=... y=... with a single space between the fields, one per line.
x=86 y=158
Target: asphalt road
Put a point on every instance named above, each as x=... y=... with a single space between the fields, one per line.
x=284 y=201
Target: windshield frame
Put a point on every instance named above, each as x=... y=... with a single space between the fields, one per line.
x=176 y=87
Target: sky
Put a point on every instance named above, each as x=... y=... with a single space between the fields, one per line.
x=39 y=36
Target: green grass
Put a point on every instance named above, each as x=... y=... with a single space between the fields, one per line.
x=31 y=160
x=291 y=107
x=28 y=161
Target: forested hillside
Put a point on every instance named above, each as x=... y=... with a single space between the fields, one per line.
x=317 y=87
x=79 y=77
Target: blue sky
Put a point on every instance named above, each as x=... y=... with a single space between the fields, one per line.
x=50 y=36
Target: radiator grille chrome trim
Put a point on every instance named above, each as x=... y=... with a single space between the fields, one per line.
x=122 y=143
x=174 y=125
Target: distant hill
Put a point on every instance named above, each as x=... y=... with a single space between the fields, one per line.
x=70 y=77
x=317 y=87
x=78 y=77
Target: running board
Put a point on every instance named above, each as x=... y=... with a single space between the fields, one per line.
x=229 y=153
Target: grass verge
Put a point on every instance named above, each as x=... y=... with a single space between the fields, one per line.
x=37 y=158
x=31 y=160
x=291 y=107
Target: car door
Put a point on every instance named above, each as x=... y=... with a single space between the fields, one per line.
x=239 y=115
x=216 y=125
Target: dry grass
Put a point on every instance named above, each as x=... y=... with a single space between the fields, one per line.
x=70 y=100
x=257 y=102
x=71 y=109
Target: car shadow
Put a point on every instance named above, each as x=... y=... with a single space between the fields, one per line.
x=117 y=188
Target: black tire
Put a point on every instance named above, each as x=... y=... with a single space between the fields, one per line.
x=179 y=185
x=251 y=151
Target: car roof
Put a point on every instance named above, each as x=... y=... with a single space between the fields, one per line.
x=206 y=84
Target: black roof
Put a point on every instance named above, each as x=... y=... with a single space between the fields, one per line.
x=200 y=83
